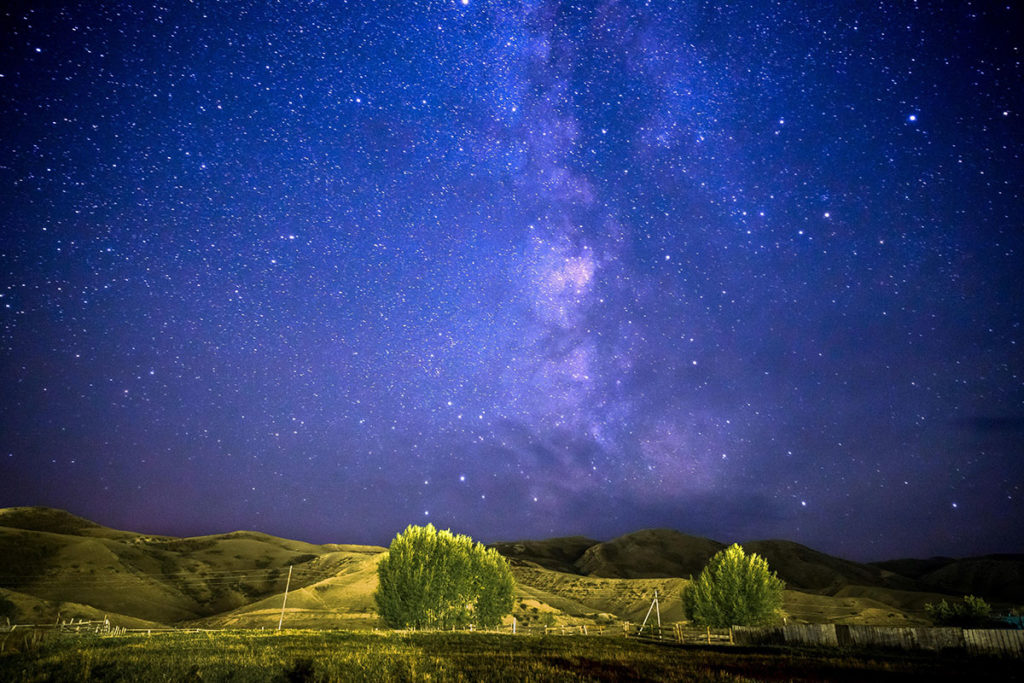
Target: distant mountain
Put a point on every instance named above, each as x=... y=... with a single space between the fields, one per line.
x=648 y=554
x=558 y=554
x=914 y=568
x=47 y=519
x=807 y=569
x=651 y=553
x=55 y=563
x=664 y=553
x=996 y=577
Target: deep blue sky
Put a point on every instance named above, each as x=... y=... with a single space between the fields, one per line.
x=523 y=269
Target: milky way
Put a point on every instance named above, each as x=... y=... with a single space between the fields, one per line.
x=521 y=269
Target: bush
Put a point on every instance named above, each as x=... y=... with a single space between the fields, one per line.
x=7 y=608
x=436 y=579
x=972 y=612
x=734 y=589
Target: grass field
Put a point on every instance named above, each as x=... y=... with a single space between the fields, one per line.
x=363 y=656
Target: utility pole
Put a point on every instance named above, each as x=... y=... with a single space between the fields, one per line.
x=654 y=606
x=285 y=601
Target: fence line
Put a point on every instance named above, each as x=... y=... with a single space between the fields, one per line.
x=977 y=641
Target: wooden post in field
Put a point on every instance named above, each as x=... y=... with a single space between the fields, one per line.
x=709 y=634
x=513 y=625
x=287 y=584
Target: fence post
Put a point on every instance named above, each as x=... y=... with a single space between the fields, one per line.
x=708 y=634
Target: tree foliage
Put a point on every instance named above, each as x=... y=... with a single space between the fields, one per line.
x=734 y=589
x=971 y=612
x=437 y=579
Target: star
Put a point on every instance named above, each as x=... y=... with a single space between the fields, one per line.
x=625 y=246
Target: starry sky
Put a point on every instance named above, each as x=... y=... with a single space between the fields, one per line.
x=522 y=268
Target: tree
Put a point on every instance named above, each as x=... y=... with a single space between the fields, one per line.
x=436 y=579
x=734 y=589
x=972 y=612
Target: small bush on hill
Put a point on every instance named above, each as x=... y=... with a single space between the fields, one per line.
x=971 y=612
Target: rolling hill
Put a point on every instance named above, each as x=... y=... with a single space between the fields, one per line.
x=656 y=553
x=63 y=560
x=53 y=562
x=997 y=577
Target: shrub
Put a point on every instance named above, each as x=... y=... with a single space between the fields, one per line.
x=7 y=608
x=734 y=588
x=436 y=579
x=970 y=612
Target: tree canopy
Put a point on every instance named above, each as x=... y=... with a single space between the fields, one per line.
x=734 y=589
x=437 y=579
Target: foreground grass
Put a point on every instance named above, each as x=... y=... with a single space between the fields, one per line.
x=361 y=656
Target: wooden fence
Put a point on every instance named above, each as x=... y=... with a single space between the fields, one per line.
x=977 y=641
x=677 y=633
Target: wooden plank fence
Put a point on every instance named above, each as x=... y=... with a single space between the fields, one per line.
x=995 y=641
x=978 y=641
x=1004 y=642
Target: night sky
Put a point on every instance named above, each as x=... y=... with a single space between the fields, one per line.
x=522 y=269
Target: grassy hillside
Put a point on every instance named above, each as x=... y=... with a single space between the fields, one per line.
x=626 y=599
x=38 y=611
x=52 y=561
x=57 y=557
x=651 y=553
x=342 y=600
x=48 y=519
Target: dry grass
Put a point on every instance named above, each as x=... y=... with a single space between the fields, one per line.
x=352 y=656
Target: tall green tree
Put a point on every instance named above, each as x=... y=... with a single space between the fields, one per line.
x=734 y=589
x=437 y=579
